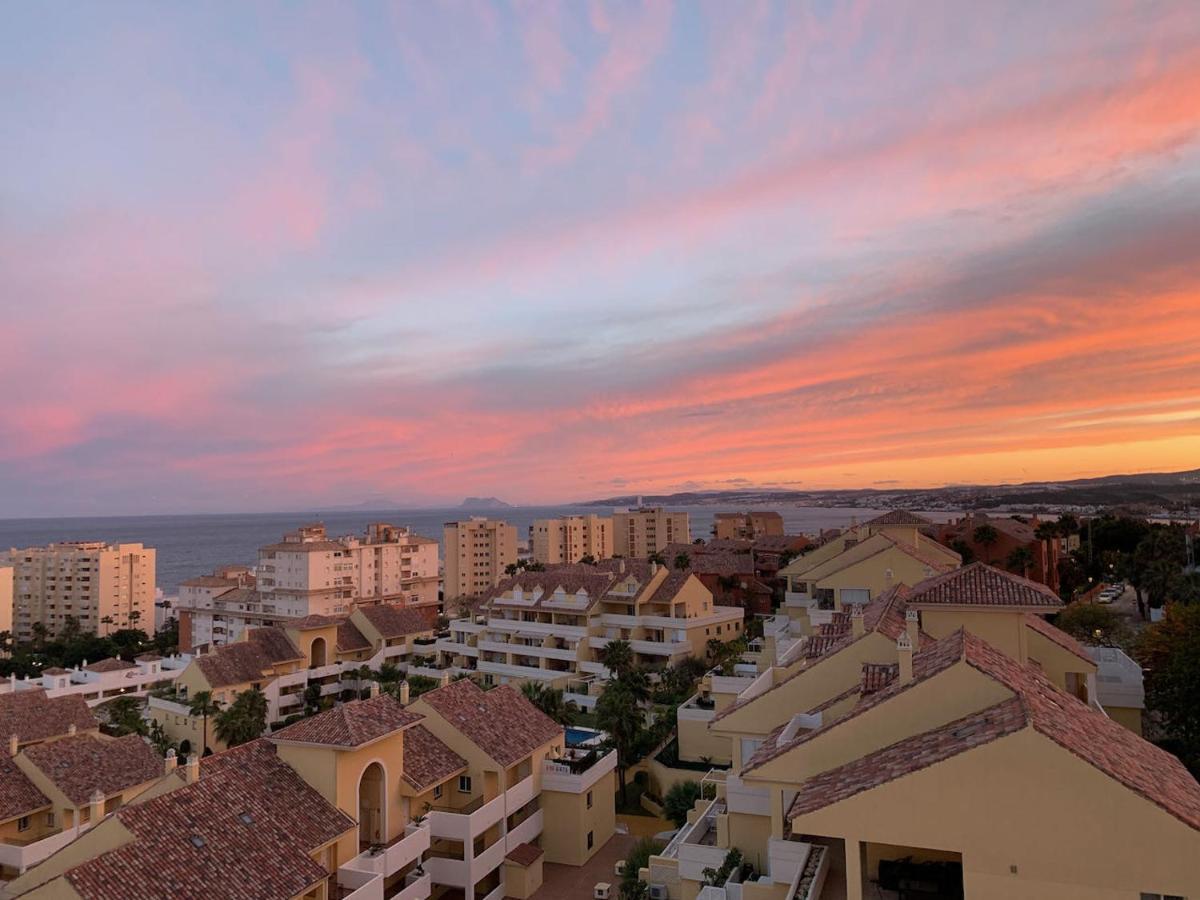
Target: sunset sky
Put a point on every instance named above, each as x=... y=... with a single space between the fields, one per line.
x=255 y=256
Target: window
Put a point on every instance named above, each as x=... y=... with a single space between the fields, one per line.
x=23 y=823
x=464 y=784
x=589 y=799
x=591 y=840
x=437 y=791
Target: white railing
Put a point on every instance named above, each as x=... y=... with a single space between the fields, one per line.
x=759 y=685
x=362 y=885
x=510 y=625
x=466 y=827
x=498 y=893
x=520 y=793
x=22 y=857
x=745 y=798
x=1119 y=678
x=731 y=684
x=691 y=713
x=520 y=671
x=526 y=832
x=559 y=777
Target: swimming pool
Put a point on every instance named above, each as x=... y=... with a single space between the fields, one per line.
x=582 y=737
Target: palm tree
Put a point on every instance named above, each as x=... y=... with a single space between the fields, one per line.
x=245 y=719
x=986 y=535
x=204 y=705
x=682 y=561
x=125 y=714
x=1020 y=560
x=39 y=634
x=619 y=714
x=6 y=643
x=618 y=657
x=1046 y=531
x=550 y=701
x=657 y=557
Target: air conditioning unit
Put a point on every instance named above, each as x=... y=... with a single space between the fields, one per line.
x=658 y=892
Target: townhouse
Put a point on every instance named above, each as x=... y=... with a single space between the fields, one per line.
x=104 y=679
x=326 y=652
x=309 y=573
x=945 y=738
x=552 y=626
x=446 y=797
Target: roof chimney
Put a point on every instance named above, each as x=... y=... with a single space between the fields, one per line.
x=373 y=689
x=621 y=566
x=191 y=769
x=858 y=627
x=404 y=693
x=912 y=625
x=96 y=806
x=445 y=679
x=71 y=729
x=653 y=567
x=13 y=743
x=904 y=650
x=170 y=762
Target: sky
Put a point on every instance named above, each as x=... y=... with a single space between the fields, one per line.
x=261 y=256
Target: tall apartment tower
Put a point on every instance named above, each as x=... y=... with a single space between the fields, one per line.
x=568 y=539
x=106 y=587
x=6 y=597
x=749 y=526
x=477 y=552
x=639 y=532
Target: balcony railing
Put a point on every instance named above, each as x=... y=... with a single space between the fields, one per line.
x=574 y=774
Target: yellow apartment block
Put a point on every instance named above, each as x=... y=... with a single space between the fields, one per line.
x=478 y=551
x=568 y=539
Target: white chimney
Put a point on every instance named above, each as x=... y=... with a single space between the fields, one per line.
x=373 y=689
x=170 y=762
x=912 y=625
x=96 y=806
x=71 y=729
x=858 y=626
x=404 y=693
x=904 y=650
x=13 y=743
x=191 y=769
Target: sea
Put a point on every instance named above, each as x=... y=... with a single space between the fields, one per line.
x=191 y=545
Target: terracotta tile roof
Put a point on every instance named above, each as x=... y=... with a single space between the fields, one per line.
x=209 y=581
x=908 y=756
x=595 y=581
x=501 y=722
x=303 y=547
x=32 y=716
x=82 y=764
x=312 y=621
x=898 y=517
x=147 y=657
x=877 y=676
x=670 y=586
x=110 y=665
x=56 y=670
x=979 y=584
x=238 y=663
x=349 y=638
x=393 y=621
x=704 y=559
x=351 y=724
x=18 y=795
x=275 y=644
x=428 y=761
x=1060 y=637
x=244 y=831
x=525 y=854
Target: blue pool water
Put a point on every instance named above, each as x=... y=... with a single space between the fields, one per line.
x=579 y=736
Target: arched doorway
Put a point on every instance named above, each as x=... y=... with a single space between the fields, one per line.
x=317 y=653
x=372 y=798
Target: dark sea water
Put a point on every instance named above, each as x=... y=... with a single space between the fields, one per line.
x=193 y=545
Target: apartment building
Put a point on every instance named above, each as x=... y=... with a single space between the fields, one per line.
x=449 y=796
x=568 y=539
x=100 y=681
x=1011 y=540
x=640 y=533
x=6 y=598
x=478 y=550
x=105 y=587
x=747 y=526
x=943 y=734
x=553 y=626
x=307 y=573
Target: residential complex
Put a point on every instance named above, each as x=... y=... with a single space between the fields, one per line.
x=451 y=795
x=640 y=533
x=103 y=679
x=552 y=626
x=104 y=587
x=307 y=573
x=1009 y=542
x=478 y=550
x=568 y=539
x=942 y=735
x=746 y=526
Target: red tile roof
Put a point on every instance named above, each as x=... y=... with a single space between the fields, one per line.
x=351 y=724
x=244 y=831
x=898 y=517
x=428 y=761
x=312 y=621
x=877 y=676
x=907 y=756
x=18 y=795
x=393 y=621
x=349 y=638
x=1058 y=636
x=501 y=722
x=82 y=764
x=238 y=663
x=32 y=716
x=274 y=643
x=979 y=584
x=110 y=665
x=525 y=854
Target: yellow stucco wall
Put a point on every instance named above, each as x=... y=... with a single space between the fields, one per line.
x=1022 y=801
x=697 y=741
x=1006 y=631
x=568 y=821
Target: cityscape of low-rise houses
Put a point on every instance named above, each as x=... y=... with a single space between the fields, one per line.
x=947 y=705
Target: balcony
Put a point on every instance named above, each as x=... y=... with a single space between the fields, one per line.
x=467 y=824
x=577 y=771
x=466 y=873
x=497 y=668
x=520 y=793
x=21 y=857
x=403 y=850
x=526 y=832
x=697 y=709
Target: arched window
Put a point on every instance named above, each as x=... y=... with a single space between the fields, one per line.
x=317 y=653
x=372 y=800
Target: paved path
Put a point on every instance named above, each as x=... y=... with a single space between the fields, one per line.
x=576 y=882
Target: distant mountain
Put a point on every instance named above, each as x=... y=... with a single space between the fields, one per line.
x=368 y=504
x=485 y=503
x=1151 y=490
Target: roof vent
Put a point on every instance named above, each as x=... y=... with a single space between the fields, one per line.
x=246 y=818
x=196 y=841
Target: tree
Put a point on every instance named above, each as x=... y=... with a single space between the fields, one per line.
x=1158 y=559
x=682 y=561
x=1019 y=560
x=312 y=697
x=618 y=657
x=551 y=701
x=1046 y=531
x=619 y=713
x=511 y=569
x=39 y=634
x=125 y=715
x=1170 y=652
x=636 y=859
x=203 y=704
x=245 y=719
x=680 y=799
x=1185 y=588
x=587 y=559
x=657 y=557
x=986 y=536
x=159 y=738
x=963 y=549
x=1093 y=623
